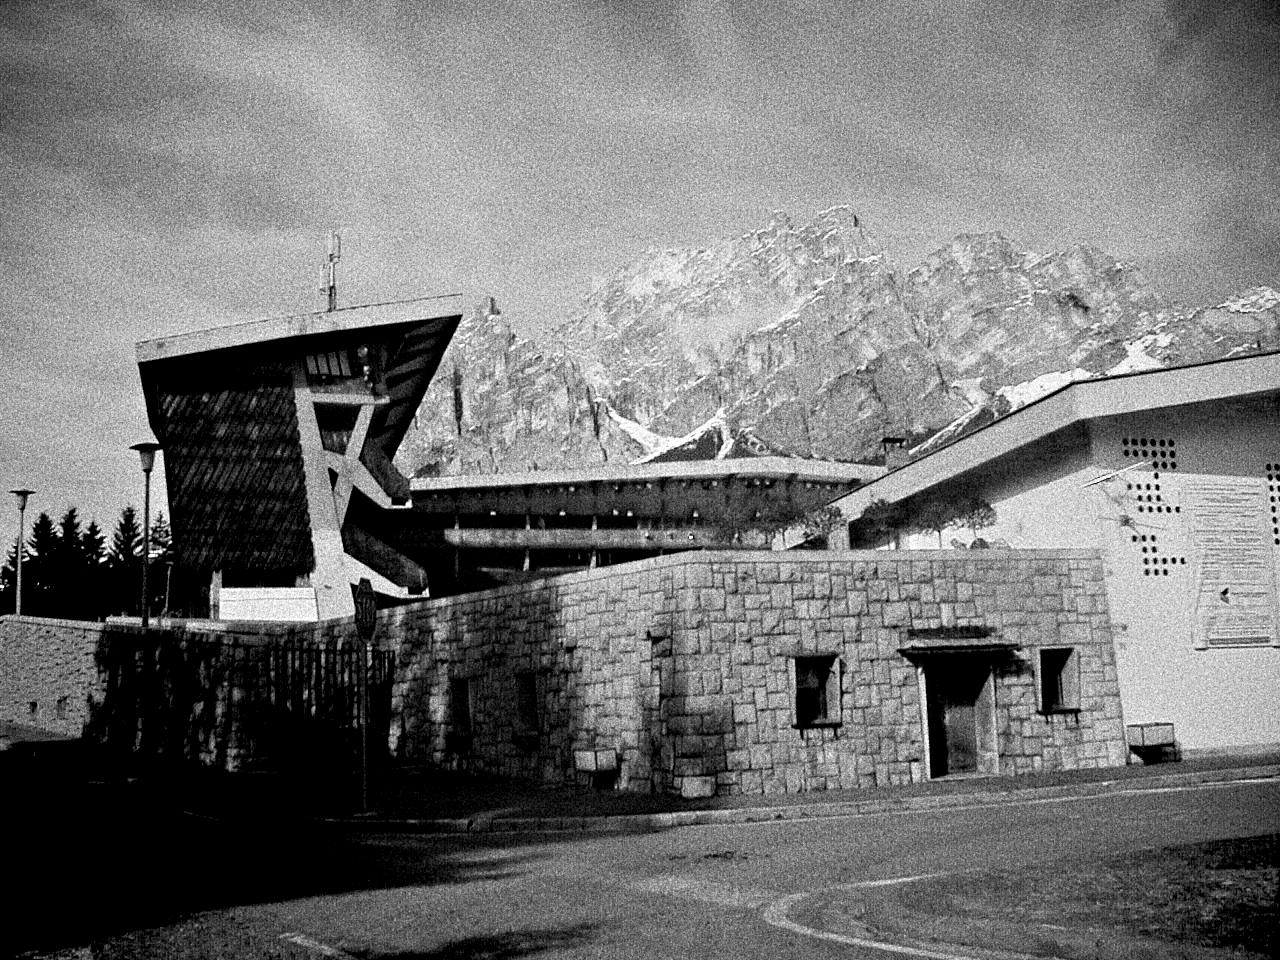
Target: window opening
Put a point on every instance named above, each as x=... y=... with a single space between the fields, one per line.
x=816 y=685
x=527 y=703
x=1059 y=679
x=460 y=705
x=1273 y=496
x=1161 y=452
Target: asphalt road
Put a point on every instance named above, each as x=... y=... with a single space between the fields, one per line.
x=711 y=891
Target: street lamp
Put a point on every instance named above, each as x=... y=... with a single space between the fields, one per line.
x=22 y=510
x=147 y=453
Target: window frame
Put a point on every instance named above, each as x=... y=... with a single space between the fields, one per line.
x=830 y=687
x=1065 y=677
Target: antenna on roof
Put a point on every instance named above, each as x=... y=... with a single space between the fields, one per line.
x=331 y=269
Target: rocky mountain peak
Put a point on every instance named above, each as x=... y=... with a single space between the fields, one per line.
x=805 y=339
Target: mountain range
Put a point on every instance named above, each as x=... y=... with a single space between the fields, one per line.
x=805 y=341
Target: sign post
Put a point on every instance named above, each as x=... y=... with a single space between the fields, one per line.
x=366 y=627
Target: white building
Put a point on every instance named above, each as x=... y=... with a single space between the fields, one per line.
x=1174 y=475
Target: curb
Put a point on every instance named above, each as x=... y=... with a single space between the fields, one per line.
x=641 y=822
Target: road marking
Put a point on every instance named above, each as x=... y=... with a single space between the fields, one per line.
x=303 y=940
x=776 y=916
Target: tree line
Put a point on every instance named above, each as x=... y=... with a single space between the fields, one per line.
x=75 y=574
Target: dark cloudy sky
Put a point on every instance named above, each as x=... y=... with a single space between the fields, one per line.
x=172 y=166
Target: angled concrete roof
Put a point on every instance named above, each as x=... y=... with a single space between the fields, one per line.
x=303 y=325
x=1083 y=400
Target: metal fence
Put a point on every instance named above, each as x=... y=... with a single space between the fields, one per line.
x=278 y=704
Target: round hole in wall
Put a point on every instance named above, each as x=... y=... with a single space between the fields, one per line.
x=1173 y=464
x=1146 y=573
x=1166 y=573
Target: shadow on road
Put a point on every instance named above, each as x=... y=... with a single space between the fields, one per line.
x=94 y=860
x=517 y=943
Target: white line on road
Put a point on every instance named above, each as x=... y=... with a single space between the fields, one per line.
x=776 y=916
x=303 y=940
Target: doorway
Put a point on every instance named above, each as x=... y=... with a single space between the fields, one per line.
x=960 y=712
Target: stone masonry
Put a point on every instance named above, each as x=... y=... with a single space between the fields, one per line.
x=48 y=675
x=676 y=674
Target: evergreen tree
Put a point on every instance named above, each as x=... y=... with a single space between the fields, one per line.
x=66 y=571
x=126 y=542
x=161 y=539
x=93 y=555
x=93 y=546
x=159 y=570
x=124 y=563
x=8 y=579
x=39 y=569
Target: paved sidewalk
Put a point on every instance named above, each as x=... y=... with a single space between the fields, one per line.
x=432 y=802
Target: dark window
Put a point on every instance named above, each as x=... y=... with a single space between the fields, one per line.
x=1059 y=679
x=61 y=708
x=817 y=691
x=460 y=705
x=527 y=702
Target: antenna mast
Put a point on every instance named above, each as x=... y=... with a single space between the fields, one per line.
x=331 y=269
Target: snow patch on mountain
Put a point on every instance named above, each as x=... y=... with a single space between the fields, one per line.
x=646 y=438
x=1254 y=300
x=1020 y=394
x=1136 y=356
x=717 y=425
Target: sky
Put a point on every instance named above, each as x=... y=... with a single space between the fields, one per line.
x=174 y=166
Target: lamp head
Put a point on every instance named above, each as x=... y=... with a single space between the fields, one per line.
x=22 y=497
x=147 y=454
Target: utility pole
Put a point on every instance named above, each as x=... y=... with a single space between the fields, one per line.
x=331 y=269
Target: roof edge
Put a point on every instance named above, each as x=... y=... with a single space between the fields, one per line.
x=1081 y=400
x=362 y=317
x=776 y=467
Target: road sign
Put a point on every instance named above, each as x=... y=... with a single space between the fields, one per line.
x=366 y=610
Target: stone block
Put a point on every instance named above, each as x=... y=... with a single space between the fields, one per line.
x=697 y=787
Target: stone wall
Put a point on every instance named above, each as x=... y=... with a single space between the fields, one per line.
x=224 y=694
x=679 y=673
x=676 y=674
x=48 y=677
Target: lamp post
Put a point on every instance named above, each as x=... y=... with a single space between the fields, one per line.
x=147 y=454
x=22 y=511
